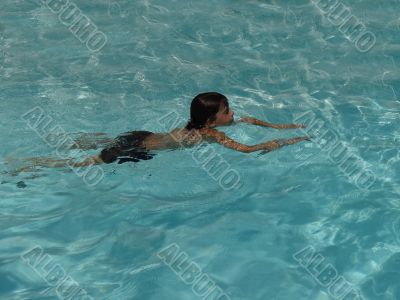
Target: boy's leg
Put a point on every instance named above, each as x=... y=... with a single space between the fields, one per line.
x=92 y=160
x=88 y=141
x=56 y=163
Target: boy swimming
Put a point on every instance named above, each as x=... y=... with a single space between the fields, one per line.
x=207 y=111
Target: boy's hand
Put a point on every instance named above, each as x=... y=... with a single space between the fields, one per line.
x=292 y=126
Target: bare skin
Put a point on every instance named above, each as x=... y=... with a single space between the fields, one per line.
x=179 y=137
x=182 y=137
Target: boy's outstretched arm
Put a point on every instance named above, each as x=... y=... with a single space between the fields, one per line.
x=214 y=135
x=254 y=121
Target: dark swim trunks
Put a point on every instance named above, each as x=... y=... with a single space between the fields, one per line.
x=127 y=147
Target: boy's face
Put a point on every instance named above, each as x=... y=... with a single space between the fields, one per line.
x=224 y=117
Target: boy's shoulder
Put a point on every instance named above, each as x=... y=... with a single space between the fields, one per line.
x=212 y=134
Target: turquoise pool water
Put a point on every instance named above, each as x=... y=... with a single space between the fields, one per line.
x=276 y=60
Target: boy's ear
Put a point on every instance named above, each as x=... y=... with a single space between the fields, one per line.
x=211 y=121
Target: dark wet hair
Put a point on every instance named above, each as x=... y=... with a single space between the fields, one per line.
x=204 y=107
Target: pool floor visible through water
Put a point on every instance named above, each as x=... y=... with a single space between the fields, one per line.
x=315 y=220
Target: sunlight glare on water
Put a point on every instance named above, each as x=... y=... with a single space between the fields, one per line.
x=276 y=60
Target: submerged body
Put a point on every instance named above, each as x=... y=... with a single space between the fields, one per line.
x=174 y=139
x=136 y=145
x=208 y=110
x=127 y=147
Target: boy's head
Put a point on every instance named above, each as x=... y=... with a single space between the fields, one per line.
x=209 y=110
